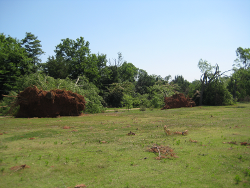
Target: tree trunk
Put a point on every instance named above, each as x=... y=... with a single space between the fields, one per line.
x=202 y=89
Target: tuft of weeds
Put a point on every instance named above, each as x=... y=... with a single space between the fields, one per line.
x=66 y=159
x=237 y=179
x=247 y=172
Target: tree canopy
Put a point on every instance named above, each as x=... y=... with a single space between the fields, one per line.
x=243 y=57
x=14 y=62
x=33 y=48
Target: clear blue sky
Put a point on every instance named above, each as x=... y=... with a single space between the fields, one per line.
x=160 y=36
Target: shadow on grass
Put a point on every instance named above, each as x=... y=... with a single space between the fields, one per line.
x=235 y=107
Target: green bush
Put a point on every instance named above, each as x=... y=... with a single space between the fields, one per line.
x=6 y=104
x=217 y=94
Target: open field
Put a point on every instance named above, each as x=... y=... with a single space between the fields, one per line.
x=96 y=150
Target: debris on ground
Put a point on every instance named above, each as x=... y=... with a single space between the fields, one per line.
x=130 y=133
x=178 y=101
x=244 y=143
x=163 y=152
x=102 y=142
x=168 y=132
x=54 y=103
x=232 y=142
x=16 y=168
x=80 y=185
x=193 y=141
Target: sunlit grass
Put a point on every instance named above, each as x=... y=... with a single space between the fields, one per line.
x=96 y=150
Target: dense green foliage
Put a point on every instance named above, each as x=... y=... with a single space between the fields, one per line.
x=239 y=84
x=75 y=68
x=14 y=62
x=182 y=83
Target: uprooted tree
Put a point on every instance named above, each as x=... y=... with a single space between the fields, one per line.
x=39 y=103
x=177 y=101
x=212 y=90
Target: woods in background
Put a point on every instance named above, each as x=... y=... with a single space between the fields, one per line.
x=114 y=83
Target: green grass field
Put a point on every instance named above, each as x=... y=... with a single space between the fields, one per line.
x=96 y=150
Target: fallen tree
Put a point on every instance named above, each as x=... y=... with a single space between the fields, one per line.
x=39 y=103
x=178 y=100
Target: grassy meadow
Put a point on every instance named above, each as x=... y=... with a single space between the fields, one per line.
x=97 y=152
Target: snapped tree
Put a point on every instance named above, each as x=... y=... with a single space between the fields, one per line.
x=211 y=83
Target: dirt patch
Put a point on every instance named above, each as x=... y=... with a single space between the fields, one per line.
x=39 y=103
x=178 y=101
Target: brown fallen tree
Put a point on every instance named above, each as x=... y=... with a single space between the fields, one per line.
x=177 y=101
x=39 y=103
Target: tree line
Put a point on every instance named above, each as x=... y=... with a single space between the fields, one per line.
x=115 y=83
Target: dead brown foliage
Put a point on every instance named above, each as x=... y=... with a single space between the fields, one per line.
x=178 y=101
x=80 y=185
x=130 y=133
x=244 y=143
x=16 y=168
x=163 y=152
x=39 y=103
x=193 y=141
x=168 y=132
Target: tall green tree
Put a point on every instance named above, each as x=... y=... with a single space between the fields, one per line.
x=56 y=67
x=14 y=62
x=144 y=82
x=239 y=84
x=76 y=54
x=128 y=72
x=182 y=83
x=243 y=57
x=34 y=49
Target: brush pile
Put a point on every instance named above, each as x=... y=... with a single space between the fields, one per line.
x=162 y=151
x=168 y=132
x=39 y=103
x=177 y=101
